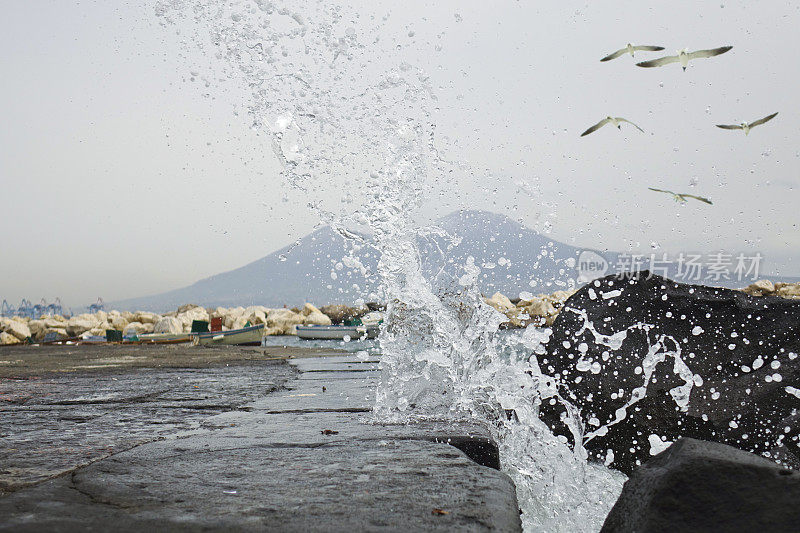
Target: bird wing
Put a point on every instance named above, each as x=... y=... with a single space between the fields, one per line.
x=629 y=122
x=596 y=127
x=660 y=190
x=660 y=62
x=729 y=126
x=706 y=200
x=614 y=55
x=708 y=53
x=648 y=48
x=762 y=120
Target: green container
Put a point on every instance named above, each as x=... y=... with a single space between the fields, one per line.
x=199 y=326
x=113 y=335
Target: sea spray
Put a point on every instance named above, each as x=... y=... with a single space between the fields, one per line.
x=341 y=105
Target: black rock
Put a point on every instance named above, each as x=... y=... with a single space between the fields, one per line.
x=724 y=365
x=704 y=486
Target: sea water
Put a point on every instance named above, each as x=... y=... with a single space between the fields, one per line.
x=353 y=122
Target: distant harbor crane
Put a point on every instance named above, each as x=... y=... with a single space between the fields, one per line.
x=99 y=305
x=27 y=309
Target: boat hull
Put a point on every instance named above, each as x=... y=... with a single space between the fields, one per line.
x=251 y=336
x=336 y=332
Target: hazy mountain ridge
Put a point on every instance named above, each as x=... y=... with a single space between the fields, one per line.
x=512 y=257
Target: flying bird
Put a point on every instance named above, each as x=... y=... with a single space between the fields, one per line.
x=616 y=121
x=747 y=126
x=682 y=198
x=683 y=57
x=630 y=49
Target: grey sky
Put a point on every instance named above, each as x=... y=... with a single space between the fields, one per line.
x=121 y=177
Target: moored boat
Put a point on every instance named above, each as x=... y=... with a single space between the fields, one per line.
x=337 y=332
x=160 y=338
x=249 y=336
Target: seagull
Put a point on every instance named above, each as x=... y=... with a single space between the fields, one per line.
x=630 y=49
x=613 y=120
x=683 y=57
x=747 y=126
x=681 y=198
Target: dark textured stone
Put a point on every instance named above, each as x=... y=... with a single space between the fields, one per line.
x=719 y=332
x=704 y=486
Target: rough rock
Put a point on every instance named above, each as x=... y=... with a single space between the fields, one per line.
x=239 y=322
x=705 y=486
x=17 y=328
x=375 y=306
x=186 y=307
x=231 y=316
x=647 y=360
x=760 y=288
x=144 y=317
x=60 y=333
x=284 y=321
x=256 y=314
x=168 y=324
x=55 y=321
x=137 y=328
x=500 y=302
x=187 y=316
x=217 y=312
x=539 y=311
x=118 y=322
x=80 y=324
x=313 y=316
x=787 y=290
x=338 y=313
x=7 y=338
x=37 y=328
x=257 y=317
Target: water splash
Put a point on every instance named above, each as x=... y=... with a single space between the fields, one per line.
x=341 y=105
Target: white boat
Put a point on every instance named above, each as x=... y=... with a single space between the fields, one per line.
x=337 y=332
x=160 y=338
x=250 y=336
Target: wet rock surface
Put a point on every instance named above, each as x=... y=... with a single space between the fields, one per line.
x=306 y=457
x=52 y=422
x=709 y=363
x=704 y=486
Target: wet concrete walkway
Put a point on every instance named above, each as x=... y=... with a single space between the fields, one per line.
x=284 y=448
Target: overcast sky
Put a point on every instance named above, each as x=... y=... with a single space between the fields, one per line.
x=122 y=177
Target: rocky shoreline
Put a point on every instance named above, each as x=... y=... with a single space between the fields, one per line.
x=543 y=309
x=539 y=310
x=282 y=321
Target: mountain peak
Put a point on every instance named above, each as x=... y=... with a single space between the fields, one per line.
x=317 y=269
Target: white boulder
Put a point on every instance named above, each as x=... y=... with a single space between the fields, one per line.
x=145 y=317
x=231 y=316
x=7 y=338
x=788 y=290
x=37 y=328
x=118 y=322
x=188 y=315
x=136 y=328
x=500 y=302
x=168 y=324
x=283 y=321
x=80 y=324
x=17 y=328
